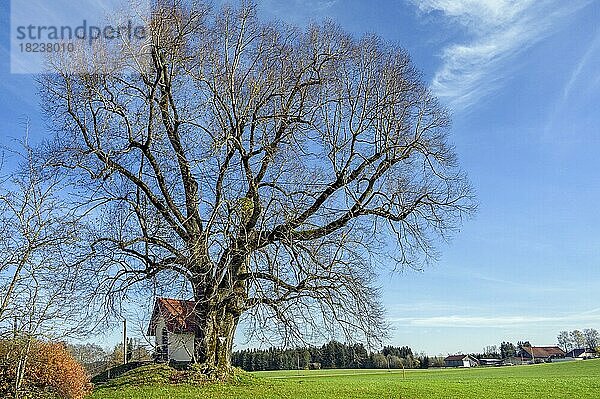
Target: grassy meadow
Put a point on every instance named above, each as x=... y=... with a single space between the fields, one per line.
x=559 y=380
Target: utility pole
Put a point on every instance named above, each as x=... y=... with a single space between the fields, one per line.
x=124 y=340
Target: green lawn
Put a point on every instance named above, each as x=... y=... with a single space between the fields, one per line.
x=560 y=380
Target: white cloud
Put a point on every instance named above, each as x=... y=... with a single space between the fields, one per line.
x=498 y=30
x=478 y=15
x=578 y=319
x=583 y=62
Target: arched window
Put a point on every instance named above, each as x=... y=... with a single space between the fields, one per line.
x=165 y=337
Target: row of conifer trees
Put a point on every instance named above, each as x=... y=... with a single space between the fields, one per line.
x=331 y=355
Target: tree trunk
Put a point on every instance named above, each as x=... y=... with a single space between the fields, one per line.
x=216 y=326
x=214 y=338
x=218 y=311
x=21 y=365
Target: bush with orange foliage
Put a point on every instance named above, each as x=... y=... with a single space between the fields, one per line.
x=50 y=370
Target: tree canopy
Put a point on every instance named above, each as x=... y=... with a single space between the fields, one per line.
x=268 y=167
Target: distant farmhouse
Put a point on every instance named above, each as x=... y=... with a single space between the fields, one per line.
x=582 y=353
x=171 y=325
x=542 y=353
x=460 y=361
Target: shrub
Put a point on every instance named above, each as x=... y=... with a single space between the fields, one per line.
x=50 y=370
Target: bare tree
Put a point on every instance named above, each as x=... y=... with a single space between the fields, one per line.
x=270 y=168
x=40 y=283
x=564 y=340
x=591 y=338
x=41 y=292
x=577 y=339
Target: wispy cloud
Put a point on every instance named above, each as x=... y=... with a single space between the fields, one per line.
x=497 y=31
x=583 y=62
x=499 y=321
x=537 y=285
x=584 y=68
x=426 y=307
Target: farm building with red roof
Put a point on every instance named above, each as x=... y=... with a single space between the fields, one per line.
x=545 y=353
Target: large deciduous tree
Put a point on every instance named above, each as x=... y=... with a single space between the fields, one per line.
x=268 y=166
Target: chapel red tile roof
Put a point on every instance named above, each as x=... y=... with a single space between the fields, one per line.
x=177 y=313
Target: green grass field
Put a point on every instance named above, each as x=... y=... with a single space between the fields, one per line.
x=560 y=380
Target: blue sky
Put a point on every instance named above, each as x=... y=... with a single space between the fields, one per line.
x=523 y=81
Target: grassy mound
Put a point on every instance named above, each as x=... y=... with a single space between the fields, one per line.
x=117 y=371
x=162 y=374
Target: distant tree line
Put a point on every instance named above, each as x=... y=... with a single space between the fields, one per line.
x=504 y=351
x=576 y=339
x=335 y=355
x=489 y=352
